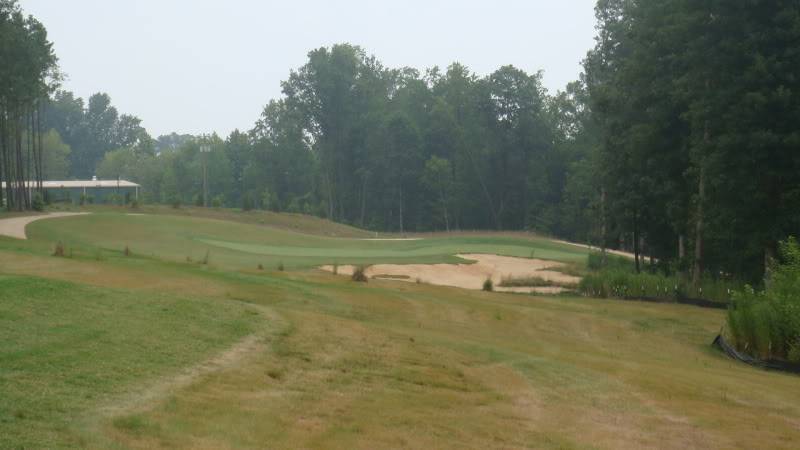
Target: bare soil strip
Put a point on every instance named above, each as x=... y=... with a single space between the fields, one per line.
x=471 y=276
x=391 y=239
x=591 y=247
x=15 y=227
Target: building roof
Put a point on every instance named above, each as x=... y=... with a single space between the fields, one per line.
x=82 y=184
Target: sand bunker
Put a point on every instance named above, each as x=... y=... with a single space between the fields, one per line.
x=472 y=276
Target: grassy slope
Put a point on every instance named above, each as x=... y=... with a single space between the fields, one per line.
x=67 y=347
x=405 y=365
x=243 y=245
x=283 y=221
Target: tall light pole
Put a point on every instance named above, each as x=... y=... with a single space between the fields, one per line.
x=204 y=149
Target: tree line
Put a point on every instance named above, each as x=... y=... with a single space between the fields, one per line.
x=28 y=72
x=696 y=105
x=387 y=149
x=678 y=141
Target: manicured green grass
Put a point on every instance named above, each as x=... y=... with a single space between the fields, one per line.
x=243 y=245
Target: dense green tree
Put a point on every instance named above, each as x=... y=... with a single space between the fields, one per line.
x=28 y=74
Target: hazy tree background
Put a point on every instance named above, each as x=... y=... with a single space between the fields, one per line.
x=679 y=141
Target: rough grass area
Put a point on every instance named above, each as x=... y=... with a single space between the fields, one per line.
x=354 y=365
x=66 y=348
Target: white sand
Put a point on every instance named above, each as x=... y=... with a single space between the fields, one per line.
x=471 y=276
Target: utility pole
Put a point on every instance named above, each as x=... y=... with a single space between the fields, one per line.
x=205 y=149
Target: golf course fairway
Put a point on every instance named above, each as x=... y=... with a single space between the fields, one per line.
x=182 y=341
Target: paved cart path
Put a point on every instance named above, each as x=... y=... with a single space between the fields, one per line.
x=15 y=226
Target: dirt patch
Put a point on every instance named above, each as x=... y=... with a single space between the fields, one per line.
x=472 y=276
x=15 y=227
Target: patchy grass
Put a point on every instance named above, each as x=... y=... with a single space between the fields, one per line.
x=66 y=348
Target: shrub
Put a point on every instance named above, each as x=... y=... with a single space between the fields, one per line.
x=359 y=274
x=626 y=284
x=524 y=282
x=280 y=266
x=38 y=202
x=336 y=268
x=59 y=249
x=135 y=203
x=114 y=199
x=247 y=202
x=488 y=285
x=260 y=267
x=218 y=201
x=127 y=251
x=205 y=258
x=766 y=324
x=85 y=199
x=175 y=201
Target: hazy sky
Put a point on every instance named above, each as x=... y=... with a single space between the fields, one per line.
x=196 y=66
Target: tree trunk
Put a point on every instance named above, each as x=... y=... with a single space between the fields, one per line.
x=681 y=248
x=603 y=230
x=363 y=200
x=2 y=152
x=697 y=268
x=401 y=210
x=444 y=207
x=636 y=243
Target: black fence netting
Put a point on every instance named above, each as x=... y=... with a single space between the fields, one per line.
x=782 y=366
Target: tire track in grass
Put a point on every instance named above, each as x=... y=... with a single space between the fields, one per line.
x=143 y=398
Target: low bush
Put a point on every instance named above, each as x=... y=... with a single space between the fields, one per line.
x=766 y=324
x=85 y=199
x=359 y=274
x=524 y=282
x=59 y=249
x=533 y=281
x=38 y=202
x=488 y=285
x=248 y=203
x=626 y=284
x=280 y=266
